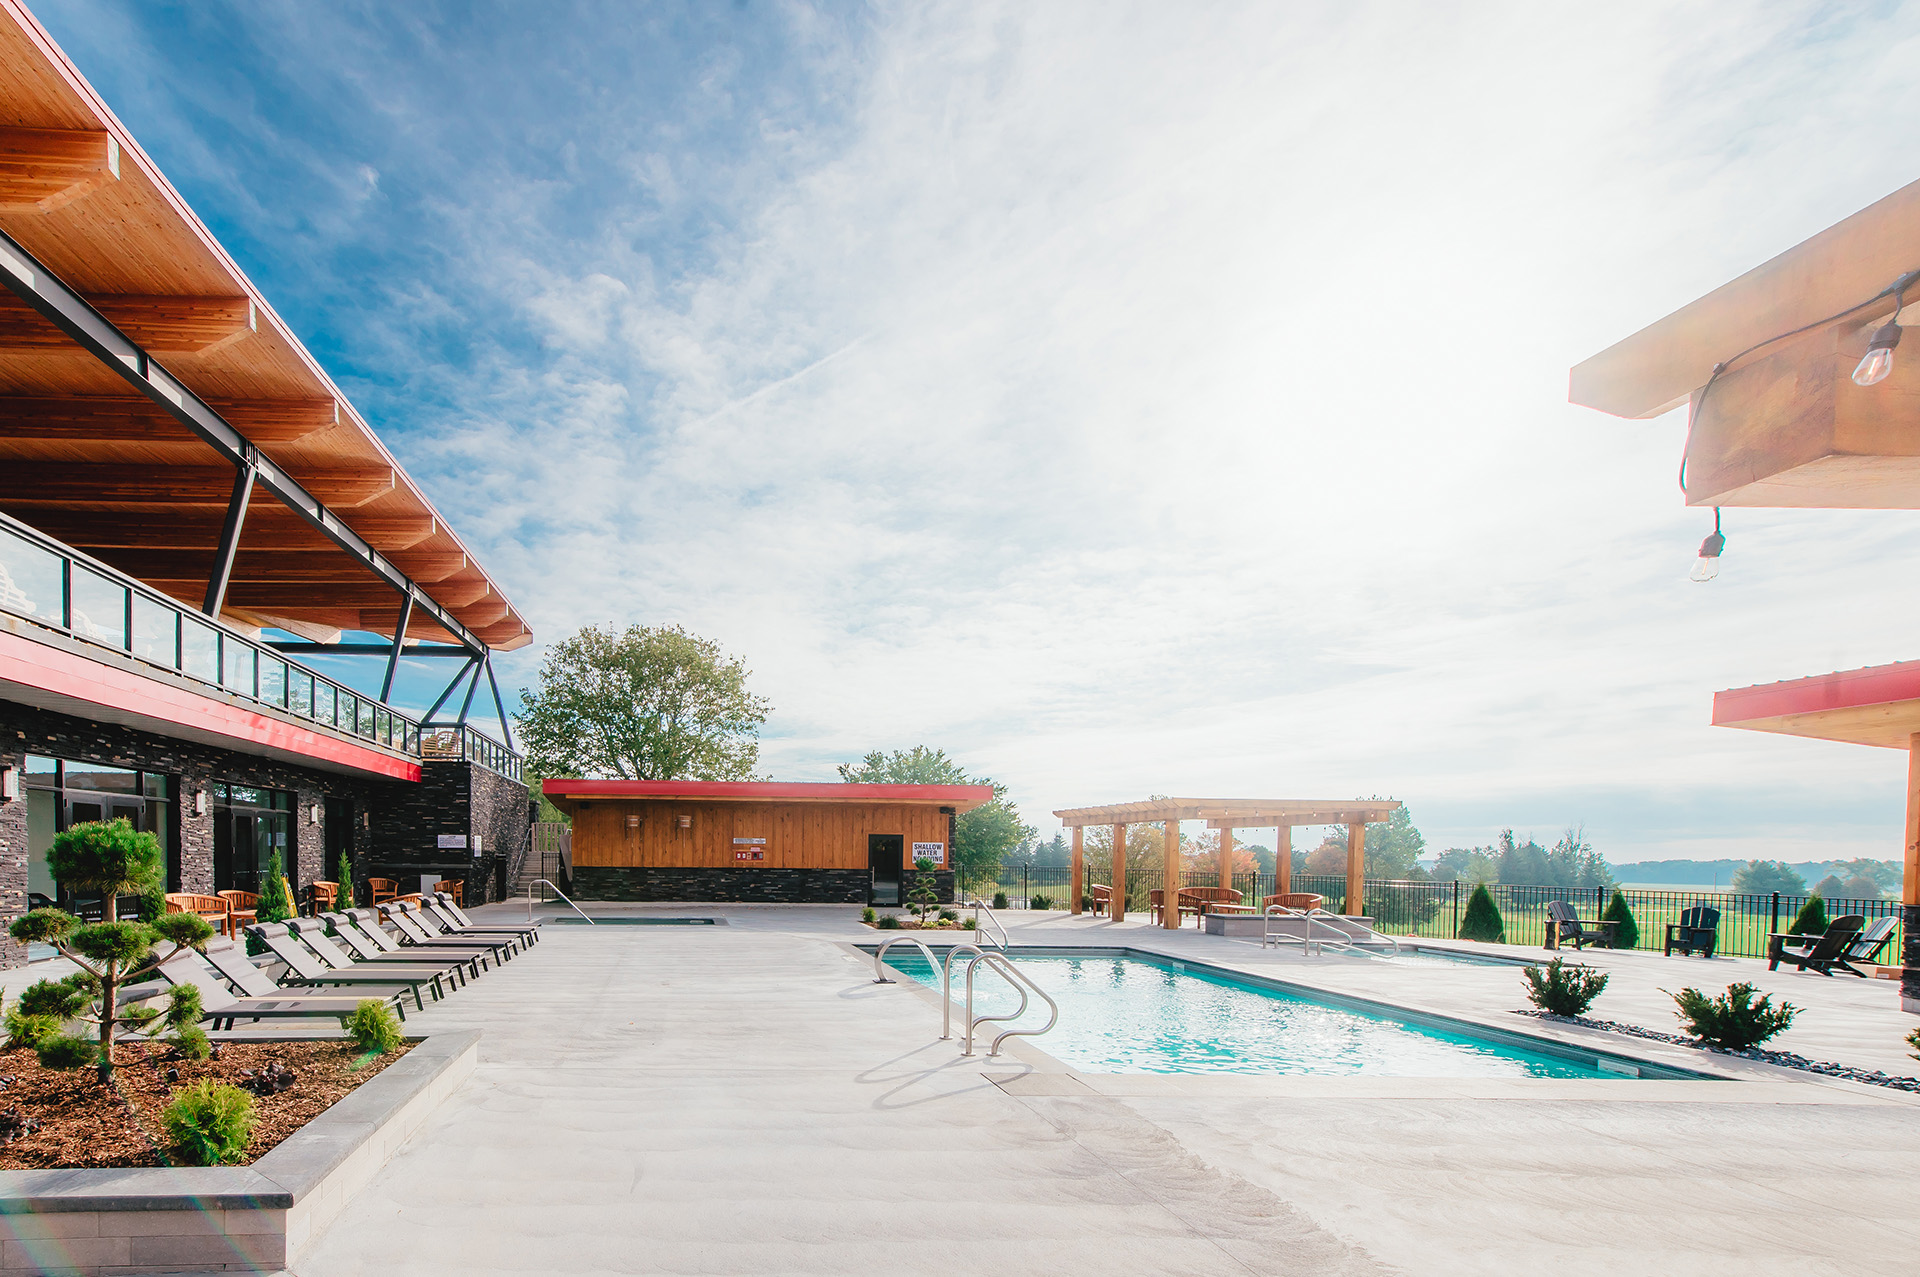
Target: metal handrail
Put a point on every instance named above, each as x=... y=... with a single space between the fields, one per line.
x=1345 y=941
x=556 y=891
x=933 y=964
x=880 y=956
x=946 y=986
x=1018 y=979
x=979 y=933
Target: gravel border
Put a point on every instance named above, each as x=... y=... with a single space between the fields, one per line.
x=1786 y=1059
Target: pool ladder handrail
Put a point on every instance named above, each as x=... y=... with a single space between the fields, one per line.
x=1345 y=940
x=556 y=891
x=996 y=961
x=979 y=933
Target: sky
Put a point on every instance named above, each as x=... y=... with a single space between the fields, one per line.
x=1127 y=399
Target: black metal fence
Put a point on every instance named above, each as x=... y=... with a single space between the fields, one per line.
x=1433 y=909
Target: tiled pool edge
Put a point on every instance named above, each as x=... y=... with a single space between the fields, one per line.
x=119 y=1222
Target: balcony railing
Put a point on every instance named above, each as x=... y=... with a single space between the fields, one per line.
x=53 y=586
x=459 y=741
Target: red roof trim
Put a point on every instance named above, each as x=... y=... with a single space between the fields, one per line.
x=1847 y=689
x=51 y=669
x=767 y=791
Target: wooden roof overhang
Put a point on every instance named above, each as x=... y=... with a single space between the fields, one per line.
x=141 y=371
x=1879 y=705
x=1785 y=425
x=1233 y=813
x=565 y=793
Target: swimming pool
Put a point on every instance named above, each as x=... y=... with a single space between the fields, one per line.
x=1130 y=1014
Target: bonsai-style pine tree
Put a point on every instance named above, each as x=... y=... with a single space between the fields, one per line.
x=1482 y=919
x=345 y=874
x=274 y=905
x=111 y=858
x=923 y=897
x=1812 y=918
x=1627 y=934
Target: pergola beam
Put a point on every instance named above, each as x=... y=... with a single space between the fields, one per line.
x=169 y=324
x=111 y=419
x=42 y=170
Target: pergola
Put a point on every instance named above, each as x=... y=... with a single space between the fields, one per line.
x=1225 y=815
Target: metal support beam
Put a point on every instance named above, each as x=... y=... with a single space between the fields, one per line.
x=473 y=685
x=369 y=649
x=230 y=537
x=500 y=706
x=426 y=719
x=399 y=637
x=41 y=289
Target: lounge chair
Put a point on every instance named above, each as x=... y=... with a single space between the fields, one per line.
x=1866 y=946
x=313 y=933
x=371 y=943
x=218 y=1004
x=366 y=922
x=531 y=930
x=1698 y=928
x=445 y=908
x=305 y=967
x=1819 y=953
x=414 y=930
x=1563 y=924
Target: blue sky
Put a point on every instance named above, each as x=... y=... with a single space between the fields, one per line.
x=1127 y=399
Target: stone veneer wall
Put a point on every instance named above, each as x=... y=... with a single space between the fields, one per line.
x=453 y=797
x=727 y=885
x=1910 y=957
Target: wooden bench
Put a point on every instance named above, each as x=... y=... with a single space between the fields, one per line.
x=383 y=889
x=1198 y=900
x=214 y=909
x=455 y=887
x=1293 y=900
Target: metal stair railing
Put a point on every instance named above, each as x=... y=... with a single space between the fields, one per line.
x=556 y=891
x=997 y=961
x=979 y=933
x=1342 y=938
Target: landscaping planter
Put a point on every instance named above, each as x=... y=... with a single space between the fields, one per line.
x=226 y=1218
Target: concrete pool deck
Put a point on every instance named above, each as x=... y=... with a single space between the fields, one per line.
x=741 y=1099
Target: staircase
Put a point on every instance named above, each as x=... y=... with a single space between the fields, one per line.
x=552 y=841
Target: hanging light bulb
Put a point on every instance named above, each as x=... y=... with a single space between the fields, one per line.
x=1878 y=361
x=1707 y=566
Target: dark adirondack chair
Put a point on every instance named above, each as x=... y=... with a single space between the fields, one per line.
x=1564 y=925
x=1698 y=929
x=1817 y=953
x=1867 y=945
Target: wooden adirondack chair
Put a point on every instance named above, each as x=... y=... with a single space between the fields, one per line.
x=1819 y=953
x=1698 y=928
x=1564 y=924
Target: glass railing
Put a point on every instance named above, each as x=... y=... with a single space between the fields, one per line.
x=455 y=741
x=53 y=586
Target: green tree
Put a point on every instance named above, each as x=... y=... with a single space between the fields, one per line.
x=1831 y=888
x=1762 y=877
x=1574 y=863
x=1522 y=863
x=274 y=905
x=1812 y=918
x=1393 y=848
x=653 y=703
x=345 y=871
x=1482 y=920
x=981 y=837
x=110 y=857
x=1627 y=934
x=1467 y=864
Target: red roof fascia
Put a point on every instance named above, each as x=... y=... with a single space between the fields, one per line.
x=767 y=791
x=1847 y=689
x=52 y=669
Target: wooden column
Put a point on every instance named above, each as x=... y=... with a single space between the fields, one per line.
x=1356 y=869
x=1170 y=878
x=1282 y=860
x=1119 y=873
x=1226 y=857
x=1910 y=889
x=1079 y=873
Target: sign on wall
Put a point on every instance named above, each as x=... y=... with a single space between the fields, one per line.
x=452 y=842
x=934 y=851
x=749 y=849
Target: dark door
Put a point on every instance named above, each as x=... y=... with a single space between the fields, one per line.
x=883 y=857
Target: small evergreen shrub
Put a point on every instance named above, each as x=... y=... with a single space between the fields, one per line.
x=373 y=1026
x=343 y=874
x=1563 y=990
x=1733 y=1020
x=63 y=1051
x=29 y=1030
x=1039 y=902
x=888 y=922
x=1482 y=919
x=867 y=914
x=1913 y=1040
x=1086 y=904
x=209 y=1123
x=1812 y=918
x=999 y=900
x=1627 y=934
x=274 y=905
x=949 y=915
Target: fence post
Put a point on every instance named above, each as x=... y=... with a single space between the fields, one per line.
x=1456 y=908
x=1776 y=913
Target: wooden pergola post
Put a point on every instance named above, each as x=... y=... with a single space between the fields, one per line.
x=1356 y=869
x=1282 y=859
x=1119 y=873
x=1079 y=872
x=1170 y=878
x=1226 y=856
x=1910 y=887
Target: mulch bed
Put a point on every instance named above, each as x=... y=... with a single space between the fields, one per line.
x=83 y=1124
x=908 y=924
x=1786 y=1059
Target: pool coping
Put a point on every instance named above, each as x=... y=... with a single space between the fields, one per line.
x=1576 y=1050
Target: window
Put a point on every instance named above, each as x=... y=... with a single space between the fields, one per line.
x=156 y=632
x=99 y=608
x=249 y=825
x=62 y=794
x=199 y=650
x=30 y=580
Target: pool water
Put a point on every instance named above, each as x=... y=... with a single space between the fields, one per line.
x=1126 y=1015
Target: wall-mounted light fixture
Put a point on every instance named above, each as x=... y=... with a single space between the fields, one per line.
x=1707 y=566
x=9 y=784
x=366 y=820
x=199 y=802
x=313 y=813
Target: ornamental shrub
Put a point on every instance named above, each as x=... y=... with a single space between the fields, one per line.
x=28 y=1030
x=999 y=900
x=867 y=914
x=209 y=1123
x=1733 y=1020
x=888 y=922
x=1812 y=918
x=1039 y=902
x=107 y=856
x=274 y=905
x=1913 y=1040
x=1627 y=934
x=1563 y=990
x=1482 y=919
x=343 y=874
x=373 y=1026
x=63 y=1051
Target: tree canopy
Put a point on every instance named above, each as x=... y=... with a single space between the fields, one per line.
x=652 y=703
x=1393 y=847
x=982 y=837
x=1761 y=877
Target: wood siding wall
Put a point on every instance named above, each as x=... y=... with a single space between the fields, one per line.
x=799 y=835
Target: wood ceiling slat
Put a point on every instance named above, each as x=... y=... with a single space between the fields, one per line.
x=47 y=483
x=164 y=325
x=132 y=418
x=267 y=525
x=42 y=170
